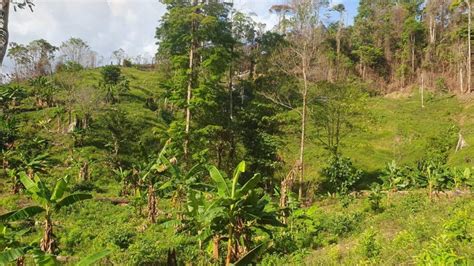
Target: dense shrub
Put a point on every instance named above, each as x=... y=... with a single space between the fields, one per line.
x=341 y=175
x=111 y=75
x=69 y=66
x=369 y=245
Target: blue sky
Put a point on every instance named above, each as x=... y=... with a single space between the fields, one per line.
x=111 y=24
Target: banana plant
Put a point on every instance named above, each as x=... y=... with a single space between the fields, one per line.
x=34 y=164
x=16 y=184
x=235 y=211
x=49 y=202
x=13 y=250
x=123 y=176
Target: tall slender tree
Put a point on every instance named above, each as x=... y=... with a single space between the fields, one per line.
x=299 y=59
x=4 y=16
x=4 y=12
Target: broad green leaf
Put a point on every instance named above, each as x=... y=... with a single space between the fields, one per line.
x=91 y=259
x=44 y=192
x=21 y=214
x=71 y=199
x=166 y=185
x=238 y=170
x=194 y=171
x=222 y=188
x=29 y=184
x=43 y=259
x=59 y=189
x=249 y=258
x=251 y=184
x=11 y=255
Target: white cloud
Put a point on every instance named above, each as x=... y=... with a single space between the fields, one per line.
x=108 y=24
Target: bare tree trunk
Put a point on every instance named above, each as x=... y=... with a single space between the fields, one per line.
x=303 y=130
x=422 y=91
x=413 y=54
x=151 y=204
x=469 y=65
x=190 y=84
x=338 y=45
x=231 y=96
x=432 y=30
x=461 y=79
x=4 y=12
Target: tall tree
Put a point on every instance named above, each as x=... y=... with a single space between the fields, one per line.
x=468 y=5
x=4 y=12
x=4 y=16
x=78 y=51
x=299 y=59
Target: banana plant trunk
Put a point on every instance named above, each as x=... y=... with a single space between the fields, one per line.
x=230 y=247
x=20 y=261
x=4 y=12
x=48 y=242
x=151 y=204
x=215 y=247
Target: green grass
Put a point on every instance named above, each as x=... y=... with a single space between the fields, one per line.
x=409 y=226
x=396 y=129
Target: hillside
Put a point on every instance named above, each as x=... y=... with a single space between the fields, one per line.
x=373 y=228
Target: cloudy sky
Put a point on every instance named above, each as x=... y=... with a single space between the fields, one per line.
x=111 y=24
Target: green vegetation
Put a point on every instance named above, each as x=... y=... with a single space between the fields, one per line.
x=241 y=146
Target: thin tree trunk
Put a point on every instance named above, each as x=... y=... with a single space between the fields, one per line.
x=190 y=85
x=4 y=12
x=469 y=65
x=151 y=204
x=231 y=96
x=413 y=54
x=303 y=131
x=422 y=91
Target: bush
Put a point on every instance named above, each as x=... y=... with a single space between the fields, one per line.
x=111 y=75
x=440 y=252
x=375 y=198
x=341 y=175
x=127 y=63
x=122 y=238
x=440 y=85
x=69 y=66
x=395 y=177
x=369 y=245
x=459 y=227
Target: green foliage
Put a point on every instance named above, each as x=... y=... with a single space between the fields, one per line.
x=339 y=110
x=111 y=75
x=341 y=175
x=235 y=209
x=375 y=197
x=69 y=66
x=8 y=131
x=369 y=245
x=395 y=177
x=11 y=95
x=440 y=252
x=459 y=227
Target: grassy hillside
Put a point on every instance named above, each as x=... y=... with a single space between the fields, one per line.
x=405 y=228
